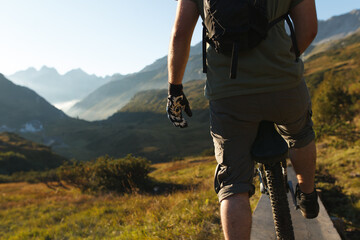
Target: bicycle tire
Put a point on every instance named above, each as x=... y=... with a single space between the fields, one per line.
x=279 y=202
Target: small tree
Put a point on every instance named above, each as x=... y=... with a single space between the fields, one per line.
x=333 y=108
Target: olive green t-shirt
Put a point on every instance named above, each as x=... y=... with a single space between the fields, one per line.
x=271 y=66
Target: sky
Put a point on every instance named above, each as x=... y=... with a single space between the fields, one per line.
x=102 y=37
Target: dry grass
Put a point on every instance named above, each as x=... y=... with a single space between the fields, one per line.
x=34 y=211
x=338 y=177
x=183 y=207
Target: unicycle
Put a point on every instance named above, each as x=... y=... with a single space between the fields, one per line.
x=269 y=150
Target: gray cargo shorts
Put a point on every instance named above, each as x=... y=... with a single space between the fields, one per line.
x=233 y=125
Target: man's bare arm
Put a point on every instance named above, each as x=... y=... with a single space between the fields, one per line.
x=305 y=23
x=179 y=49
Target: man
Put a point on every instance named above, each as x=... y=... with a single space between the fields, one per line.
x=269 y=86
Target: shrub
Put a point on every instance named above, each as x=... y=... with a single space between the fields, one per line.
x=107 y=174
x=334 y=107
x=332 y=104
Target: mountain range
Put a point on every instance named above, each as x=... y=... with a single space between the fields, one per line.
x=337 y=27
x=59 y=89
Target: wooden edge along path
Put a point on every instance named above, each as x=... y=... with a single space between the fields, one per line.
x=320 y=228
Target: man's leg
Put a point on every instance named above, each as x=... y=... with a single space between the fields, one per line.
x=236 y=216
x=304 y=162
x=234 y=124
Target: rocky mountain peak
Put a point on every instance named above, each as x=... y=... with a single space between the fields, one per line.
x=338 y=26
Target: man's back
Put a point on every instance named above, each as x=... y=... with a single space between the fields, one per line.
x=271 y=66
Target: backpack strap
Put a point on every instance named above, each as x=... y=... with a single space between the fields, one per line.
x=292 y=31
x=204 y=40
x=293 y=38
x=277 y=20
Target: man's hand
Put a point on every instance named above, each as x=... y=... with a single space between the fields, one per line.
x=176 y=103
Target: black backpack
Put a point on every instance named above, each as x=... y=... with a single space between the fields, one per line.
x=231 y=26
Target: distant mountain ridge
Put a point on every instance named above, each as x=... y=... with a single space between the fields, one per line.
x=56 y=88
x=338 y=26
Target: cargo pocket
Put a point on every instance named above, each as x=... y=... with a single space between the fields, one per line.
x=221 y=173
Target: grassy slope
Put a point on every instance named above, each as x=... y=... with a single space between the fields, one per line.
x=338 y=173
x=338 y=178
x=191 y=212
x=342 y=59
x=143 y=128
x=34 y=156
x=155 y=100
x=184 y=208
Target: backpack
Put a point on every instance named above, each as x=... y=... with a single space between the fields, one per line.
x=232 y=26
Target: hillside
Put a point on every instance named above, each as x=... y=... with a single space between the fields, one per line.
x=18 y=154
x=24 y=110
x=333 y=79
x=111 y=97
x=330 y=44
x=155 y=100
x=338 y=58
x=146 y=130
